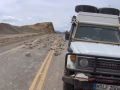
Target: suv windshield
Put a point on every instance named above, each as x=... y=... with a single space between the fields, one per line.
x=99 y=33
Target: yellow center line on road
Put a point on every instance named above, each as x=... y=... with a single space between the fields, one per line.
x=39 y=72
x=40 y=84
x=41 y=68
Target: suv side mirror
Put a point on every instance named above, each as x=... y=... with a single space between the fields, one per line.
x=67 y=36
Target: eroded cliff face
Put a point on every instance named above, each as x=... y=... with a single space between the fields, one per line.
x=43 y=27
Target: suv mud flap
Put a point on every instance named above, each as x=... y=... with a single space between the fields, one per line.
x=78 y=84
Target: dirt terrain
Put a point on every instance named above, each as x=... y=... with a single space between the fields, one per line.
x=10 y=39
x=33 y=64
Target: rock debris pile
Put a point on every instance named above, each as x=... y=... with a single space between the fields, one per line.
x=46 y=42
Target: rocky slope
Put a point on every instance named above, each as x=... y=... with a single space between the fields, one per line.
x=7 y=29
x=36 y=28
x=43 y=27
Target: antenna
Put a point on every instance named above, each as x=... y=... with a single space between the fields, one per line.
x=39 y=20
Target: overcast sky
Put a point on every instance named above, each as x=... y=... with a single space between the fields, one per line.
x=24 y=12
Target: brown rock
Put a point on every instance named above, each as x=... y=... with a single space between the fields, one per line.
x=28 y=54
x=56 y=54
x=30 y=47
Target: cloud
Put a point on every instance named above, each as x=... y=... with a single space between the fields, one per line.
x=29 y=18
x=9 y=19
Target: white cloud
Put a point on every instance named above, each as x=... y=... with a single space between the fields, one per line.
x=9 y=19
x=29 y=18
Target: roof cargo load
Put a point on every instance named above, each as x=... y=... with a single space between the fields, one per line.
x=98 y=18
x=112 y=11
x=86 y=8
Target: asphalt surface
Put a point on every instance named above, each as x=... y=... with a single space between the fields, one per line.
x=20 y=64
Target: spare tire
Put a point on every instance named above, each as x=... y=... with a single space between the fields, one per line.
x=112 y=11
x=86 y=8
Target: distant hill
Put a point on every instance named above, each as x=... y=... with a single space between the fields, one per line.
x=8 y=29
x=43 y=27
x=26 y=30
x=35 y=28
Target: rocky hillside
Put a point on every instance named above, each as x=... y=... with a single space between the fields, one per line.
x=36 y=28
x=7 y=29
x=43 y=27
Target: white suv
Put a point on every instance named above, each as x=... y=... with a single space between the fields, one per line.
x=93 y=58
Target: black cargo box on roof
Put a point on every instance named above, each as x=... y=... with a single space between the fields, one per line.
x=86 y=8
x=112 y=11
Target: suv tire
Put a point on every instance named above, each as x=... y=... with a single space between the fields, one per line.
x=86 y=8
x=67 y=86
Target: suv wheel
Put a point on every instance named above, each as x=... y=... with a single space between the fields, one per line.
x=67 y=86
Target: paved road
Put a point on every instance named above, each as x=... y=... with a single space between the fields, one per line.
x=35 y=64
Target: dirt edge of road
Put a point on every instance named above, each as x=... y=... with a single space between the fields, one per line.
x=11 y=39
